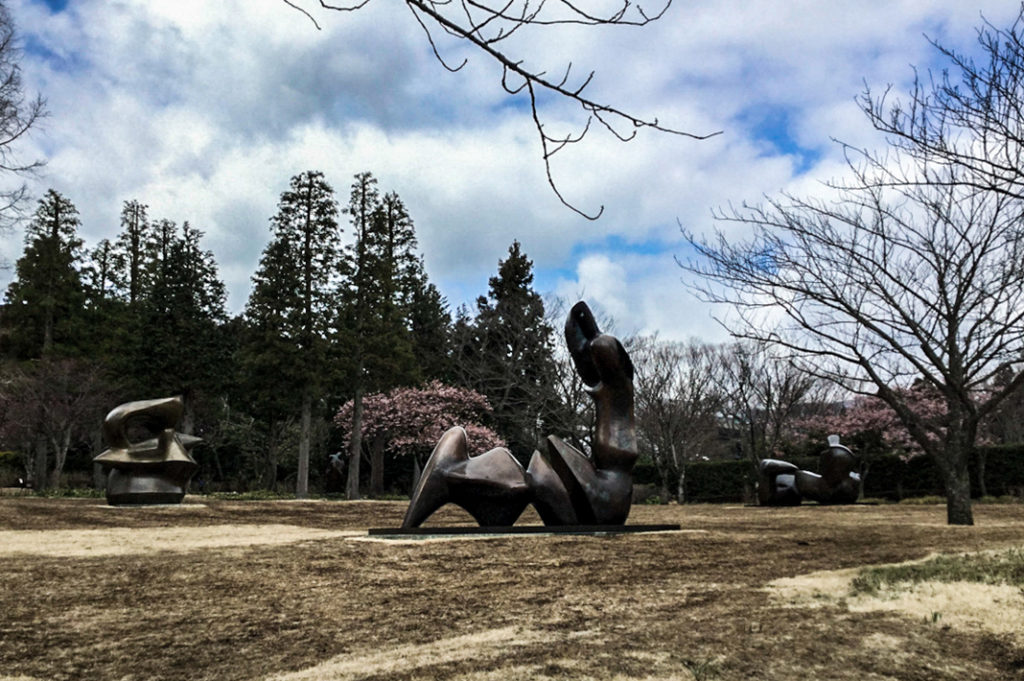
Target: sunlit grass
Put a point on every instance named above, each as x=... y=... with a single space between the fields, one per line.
x=1004 y=567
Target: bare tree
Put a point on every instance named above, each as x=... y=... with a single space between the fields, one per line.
x=49 y=407
x=679 y=398
x=764 y=393
x=880 y=286
x=18 y=114
x=489 y=26
x=914 y=271
x=968 y=118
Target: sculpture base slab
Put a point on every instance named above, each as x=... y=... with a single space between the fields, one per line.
x=517 y=529
x=145 y=498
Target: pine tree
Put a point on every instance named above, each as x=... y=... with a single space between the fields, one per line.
x=386 y=288
x=505 y=353
x=430 y=325
x=132 y=249
x=43 y=314
x=102 y=280
x=294 y=297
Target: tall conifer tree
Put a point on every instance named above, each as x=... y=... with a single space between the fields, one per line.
x=45 y=300
x=386 y=290
x=132 y=249
x=506 y=354
x=295 y=296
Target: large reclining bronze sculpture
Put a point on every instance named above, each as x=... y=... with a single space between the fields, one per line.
x=784 y=484
x=566 y=486
x=155 y=470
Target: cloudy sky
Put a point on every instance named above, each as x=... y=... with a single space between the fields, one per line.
x=204 y=110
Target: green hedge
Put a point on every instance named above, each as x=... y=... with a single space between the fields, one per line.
x=719 y=481
x=888 y=476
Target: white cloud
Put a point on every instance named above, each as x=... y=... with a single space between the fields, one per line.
x=204 y=110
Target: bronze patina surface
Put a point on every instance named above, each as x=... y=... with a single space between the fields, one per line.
x=784 y=484
x=565 y=485
x=155 y=469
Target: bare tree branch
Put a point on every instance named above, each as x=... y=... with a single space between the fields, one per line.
x=486 y=26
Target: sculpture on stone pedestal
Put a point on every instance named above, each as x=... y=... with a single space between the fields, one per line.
x=781 y=483
x=566 y=486
x=157 y=467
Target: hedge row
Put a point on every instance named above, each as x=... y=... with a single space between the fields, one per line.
x=888 y=477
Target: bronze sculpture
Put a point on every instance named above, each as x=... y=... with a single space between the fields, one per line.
x=566 y=486
x=155 y=469
x=784 y=484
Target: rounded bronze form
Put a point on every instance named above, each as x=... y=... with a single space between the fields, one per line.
x=155 y=470
x=780 y=483
x=566 y=486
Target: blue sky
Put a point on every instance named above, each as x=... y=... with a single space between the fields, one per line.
x=205 y=110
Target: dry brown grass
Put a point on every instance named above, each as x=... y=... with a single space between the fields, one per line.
x=967 y=606
x=269 y=591
x=123 y=541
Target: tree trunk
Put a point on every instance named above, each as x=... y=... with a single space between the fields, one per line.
x=958 y=498
x=416 y=472
x=60 y=456
x=952 y=461
x=99 y=476
x=39 y=474
x=982 y=488
x=305 y=435
x=679 y=463
x=270 y=464
x=188 y=417
x=377 y=467
x=355 y=447
x=663 y=473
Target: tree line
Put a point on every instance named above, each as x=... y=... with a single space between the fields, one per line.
x=346 y=357
x=329 y=322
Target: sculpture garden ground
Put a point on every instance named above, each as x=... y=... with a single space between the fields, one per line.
x=280 y=590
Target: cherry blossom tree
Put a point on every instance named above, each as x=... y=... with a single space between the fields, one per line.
x=870 y=422
x=408 y=422
x=871 y=419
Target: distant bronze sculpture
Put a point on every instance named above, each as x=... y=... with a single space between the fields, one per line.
x=783 y=484
x=566 y=486
x=157 y=467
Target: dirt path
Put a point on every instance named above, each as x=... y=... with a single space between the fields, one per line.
x=276 y=590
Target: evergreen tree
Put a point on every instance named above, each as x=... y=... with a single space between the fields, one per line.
x=388 y=266
x=43 y=315
x=132 y=250
x=293 y=301
x=54 y=395
x=102 y=280
x=268 y=355
x=506 y=354
x=386 y=284
x=363 y=202
x=430 y=325
x=178 y=348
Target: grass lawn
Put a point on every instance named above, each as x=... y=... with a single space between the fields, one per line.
x=226 y=590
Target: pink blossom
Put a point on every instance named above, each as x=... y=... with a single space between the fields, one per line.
x=413 y=419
